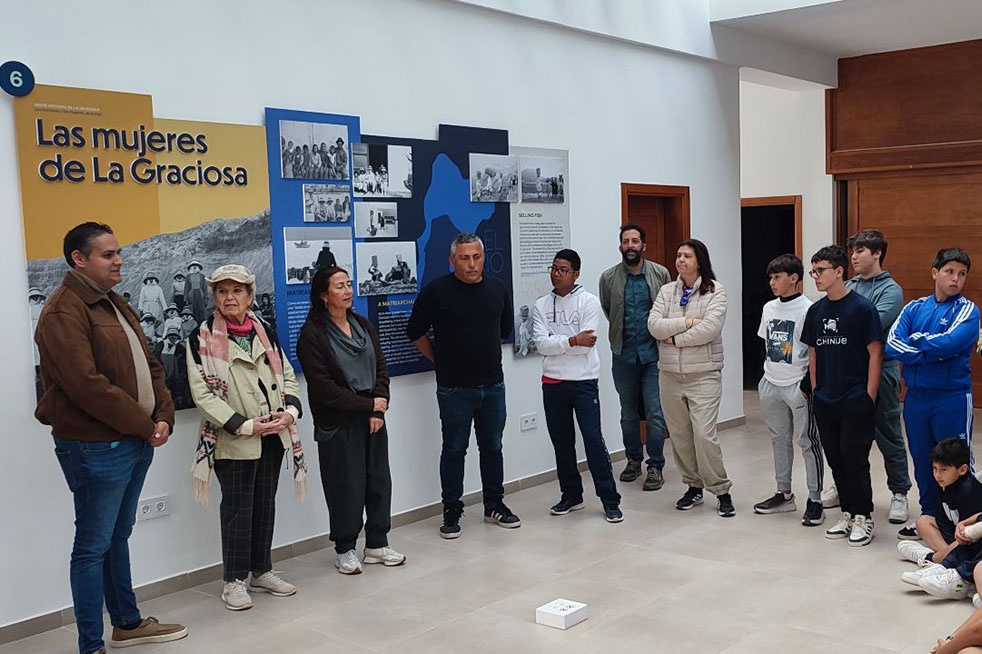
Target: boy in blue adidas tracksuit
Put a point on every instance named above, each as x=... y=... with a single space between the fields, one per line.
x=933 y=338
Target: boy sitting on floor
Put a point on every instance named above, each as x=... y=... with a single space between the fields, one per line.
x=948 y=572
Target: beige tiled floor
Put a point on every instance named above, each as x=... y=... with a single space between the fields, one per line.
x=661 y=581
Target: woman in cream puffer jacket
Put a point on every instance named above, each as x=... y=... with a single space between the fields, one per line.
x=687 y=319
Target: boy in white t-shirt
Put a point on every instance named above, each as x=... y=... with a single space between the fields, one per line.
x=786 y=406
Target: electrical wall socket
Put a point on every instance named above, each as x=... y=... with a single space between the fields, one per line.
x=530 y=421
x=153 y=507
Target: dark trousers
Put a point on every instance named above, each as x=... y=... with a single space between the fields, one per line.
x=963 y=559
x=484 y=408
x=846 y=429
x=561 y=401
x=355 y=474
x=248 y=510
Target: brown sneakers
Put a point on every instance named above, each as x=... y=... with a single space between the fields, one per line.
x=149 y=631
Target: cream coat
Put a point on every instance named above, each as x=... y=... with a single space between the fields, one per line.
x=245 y=399
x=699 y=349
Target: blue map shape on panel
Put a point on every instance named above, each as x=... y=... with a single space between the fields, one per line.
x=448 y=195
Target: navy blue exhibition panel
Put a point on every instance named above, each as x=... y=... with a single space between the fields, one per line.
x=432 y=204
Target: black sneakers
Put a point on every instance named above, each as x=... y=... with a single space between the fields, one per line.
x=632 y=471
x=724 y=506
x=654 y=481
x=908 y=533
x=777 y=503
x=501 y=515
x=451 y=522
x=814 y=514
x=692 y=497
x=564 y=506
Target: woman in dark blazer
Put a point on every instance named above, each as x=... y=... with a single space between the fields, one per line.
x=348 y=391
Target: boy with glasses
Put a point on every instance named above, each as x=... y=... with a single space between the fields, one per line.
x=845 y=354
x=564 y=326
x=867 y=252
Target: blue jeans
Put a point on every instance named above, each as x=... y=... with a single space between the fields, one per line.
x=560 y=402
x=483 y=406
x=105 y=480
x=637 y=386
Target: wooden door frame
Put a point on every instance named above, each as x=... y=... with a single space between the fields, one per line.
x=780 y=200
x=668 y=192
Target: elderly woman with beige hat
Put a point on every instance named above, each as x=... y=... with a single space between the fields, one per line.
x=248 y=396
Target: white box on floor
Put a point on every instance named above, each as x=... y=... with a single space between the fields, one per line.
x=562 y=613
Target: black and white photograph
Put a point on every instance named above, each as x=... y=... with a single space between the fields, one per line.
x=313 y=150
x=494 y=178
x=387 y=268
x=376 y=220
x=543 y=180
x=308 y=249
x=164 y=283
x=326 y=203
x=382 y=171
x=524 y=345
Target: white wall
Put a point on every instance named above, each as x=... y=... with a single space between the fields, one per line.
x=625 y=113
x=782 y=136
x=682 y=26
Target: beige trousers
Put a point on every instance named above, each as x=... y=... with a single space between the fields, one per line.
x=691 y=405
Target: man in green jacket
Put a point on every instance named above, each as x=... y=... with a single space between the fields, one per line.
x=627 y=292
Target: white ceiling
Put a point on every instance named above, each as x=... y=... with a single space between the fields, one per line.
x=854 y=27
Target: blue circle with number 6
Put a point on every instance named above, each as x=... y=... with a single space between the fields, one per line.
x=16 y=78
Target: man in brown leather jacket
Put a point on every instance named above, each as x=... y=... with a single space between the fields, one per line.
x=108 y=408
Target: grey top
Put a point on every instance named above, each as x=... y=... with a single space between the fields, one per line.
x=355 y=355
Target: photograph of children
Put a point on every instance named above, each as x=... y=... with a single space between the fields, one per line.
x=326 y=203
x=386 y=268
x=313 y=150
x=376 y=220
x=494 y=178
x=543 y=180
x=308 y=249
x=382 y=171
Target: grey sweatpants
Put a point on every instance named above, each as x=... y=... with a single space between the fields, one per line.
x=789 y=418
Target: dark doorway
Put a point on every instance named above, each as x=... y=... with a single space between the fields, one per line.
x=766 y=231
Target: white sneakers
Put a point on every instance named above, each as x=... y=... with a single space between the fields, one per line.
x=347 y=563
x=830 y=497
x=915 y=552
x=841 y=529
x=270 y=582
x=947 y=585
x=898 y=509
x=862 y=531
x=236 y=596
x=858 y=529
x=384 y=555
x=913 y=577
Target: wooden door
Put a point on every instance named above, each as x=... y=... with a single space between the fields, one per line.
x=663 y=211
x=920 y=213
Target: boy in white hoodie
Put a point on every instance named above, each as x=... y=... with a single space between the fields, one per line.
x=564 y=325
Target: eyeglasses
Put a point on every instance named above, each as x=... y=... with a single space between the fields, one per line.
x=560 y=271
x=817 y=272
